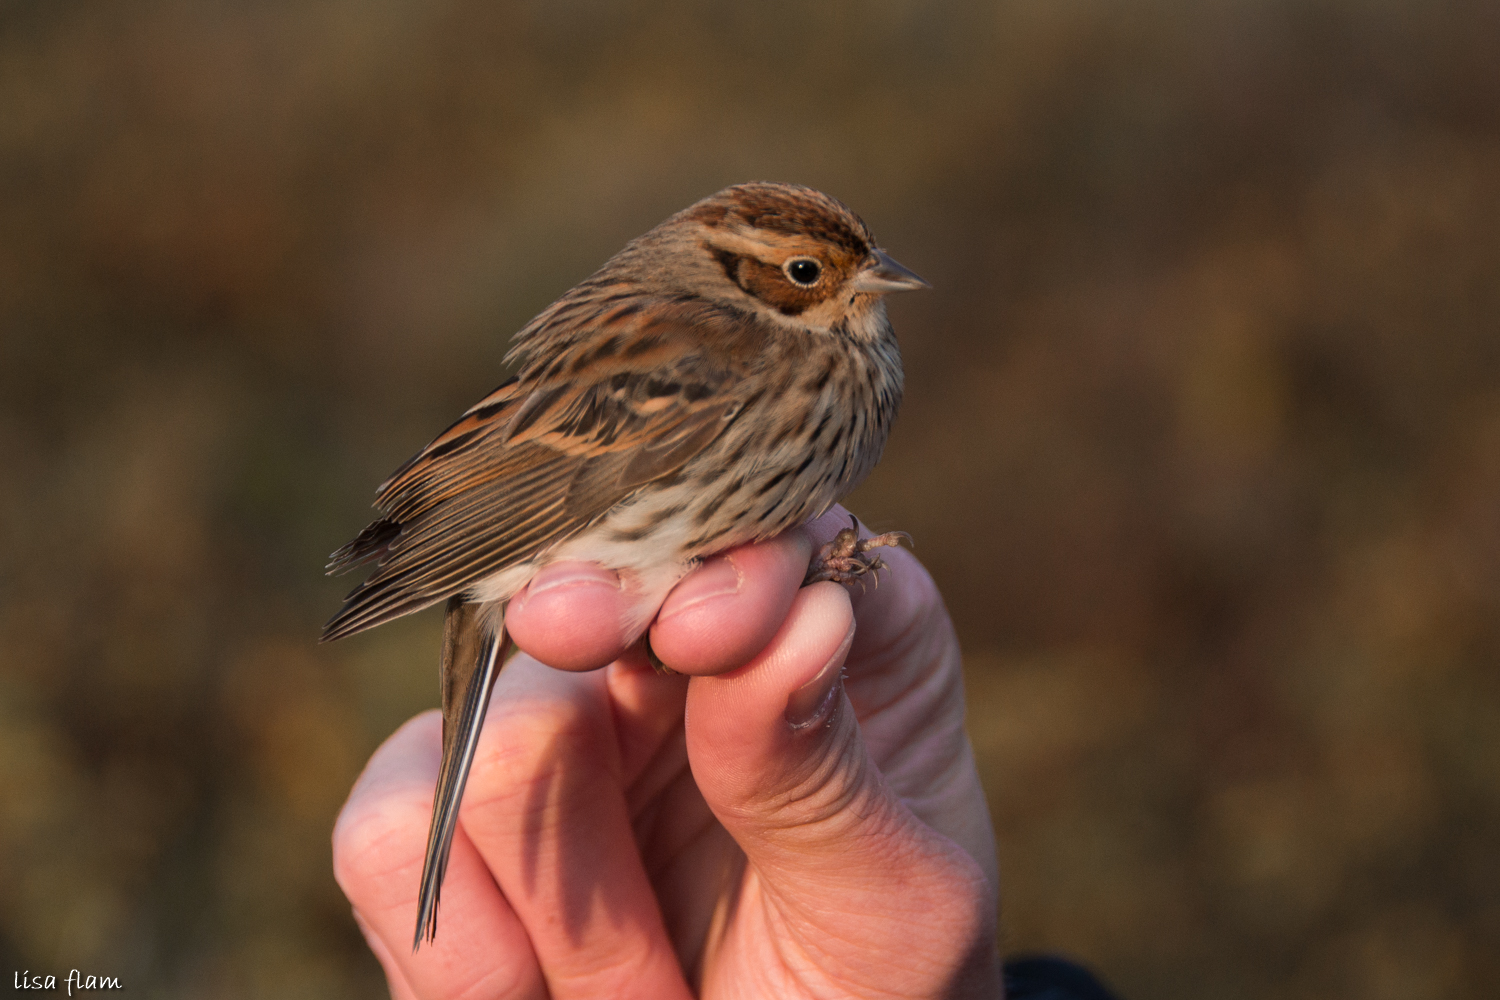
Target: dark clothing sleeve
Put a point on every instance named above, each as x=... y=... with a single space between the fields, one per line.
x=1043 y=977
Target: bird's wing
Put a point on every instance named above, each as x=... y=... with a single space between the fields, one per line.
x=541 y=457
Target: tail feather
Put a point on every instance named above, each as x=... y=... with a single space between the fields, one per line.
x=471 y=662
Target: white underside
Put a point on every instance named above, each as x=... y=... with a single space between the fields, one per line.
x=648 y=569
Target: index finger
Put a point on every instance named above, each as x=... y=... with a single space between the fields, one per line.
x=726 y=611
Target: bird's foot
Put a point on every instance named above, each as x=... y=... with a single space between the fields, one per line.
x=662 y=670
x=847 y=558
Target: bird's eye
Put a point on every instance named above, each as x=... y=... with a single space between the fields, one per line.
x=803 y=271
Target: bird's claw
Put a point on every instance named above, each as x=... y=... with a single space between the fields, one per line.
x=662 y=670
x=846 y=559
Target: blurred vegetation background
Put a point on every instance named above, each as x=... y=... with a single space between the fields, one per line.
x=1202 y=438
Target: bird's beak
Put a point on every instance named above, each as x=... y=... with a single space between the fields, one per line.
x=883 y=275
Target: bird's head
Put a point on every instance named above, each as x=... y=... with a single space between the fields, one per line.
x=795 y=255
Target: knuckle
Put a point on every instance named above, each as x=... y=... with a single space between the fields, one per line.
x=376 y=836
x=528 y=742
x=528 y=725
x=611 y=972
x=958 y=902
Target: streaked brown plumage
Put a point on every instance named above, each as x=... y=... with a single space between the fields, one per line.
x=727 y=376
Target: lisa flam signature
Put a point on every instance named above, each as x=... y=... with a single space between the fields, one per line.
x=74 y=980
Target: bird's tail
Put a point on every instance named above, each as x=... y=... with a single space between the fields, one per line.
x=471 y=661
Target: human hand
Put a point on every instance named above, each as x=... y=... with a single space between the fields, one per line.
x=751 y=827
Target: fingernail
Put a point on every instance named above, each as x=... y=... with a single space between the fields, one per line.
x=811 y=703
x=572 y=574
x=716 y=578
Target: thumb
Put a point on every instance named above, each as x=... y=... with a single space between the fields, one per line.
x=776 y=750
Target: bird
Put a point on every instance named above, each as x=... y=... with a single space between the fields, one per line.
x=727 y=376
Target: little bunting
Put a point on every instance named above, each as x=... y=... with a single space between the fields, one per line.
x=727 y=376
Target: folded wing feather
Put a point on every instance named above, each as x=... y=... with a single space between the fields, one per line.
x=532 y=464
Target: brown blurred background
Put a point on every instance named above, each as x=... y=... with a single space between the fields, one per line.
x=1202 y=438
